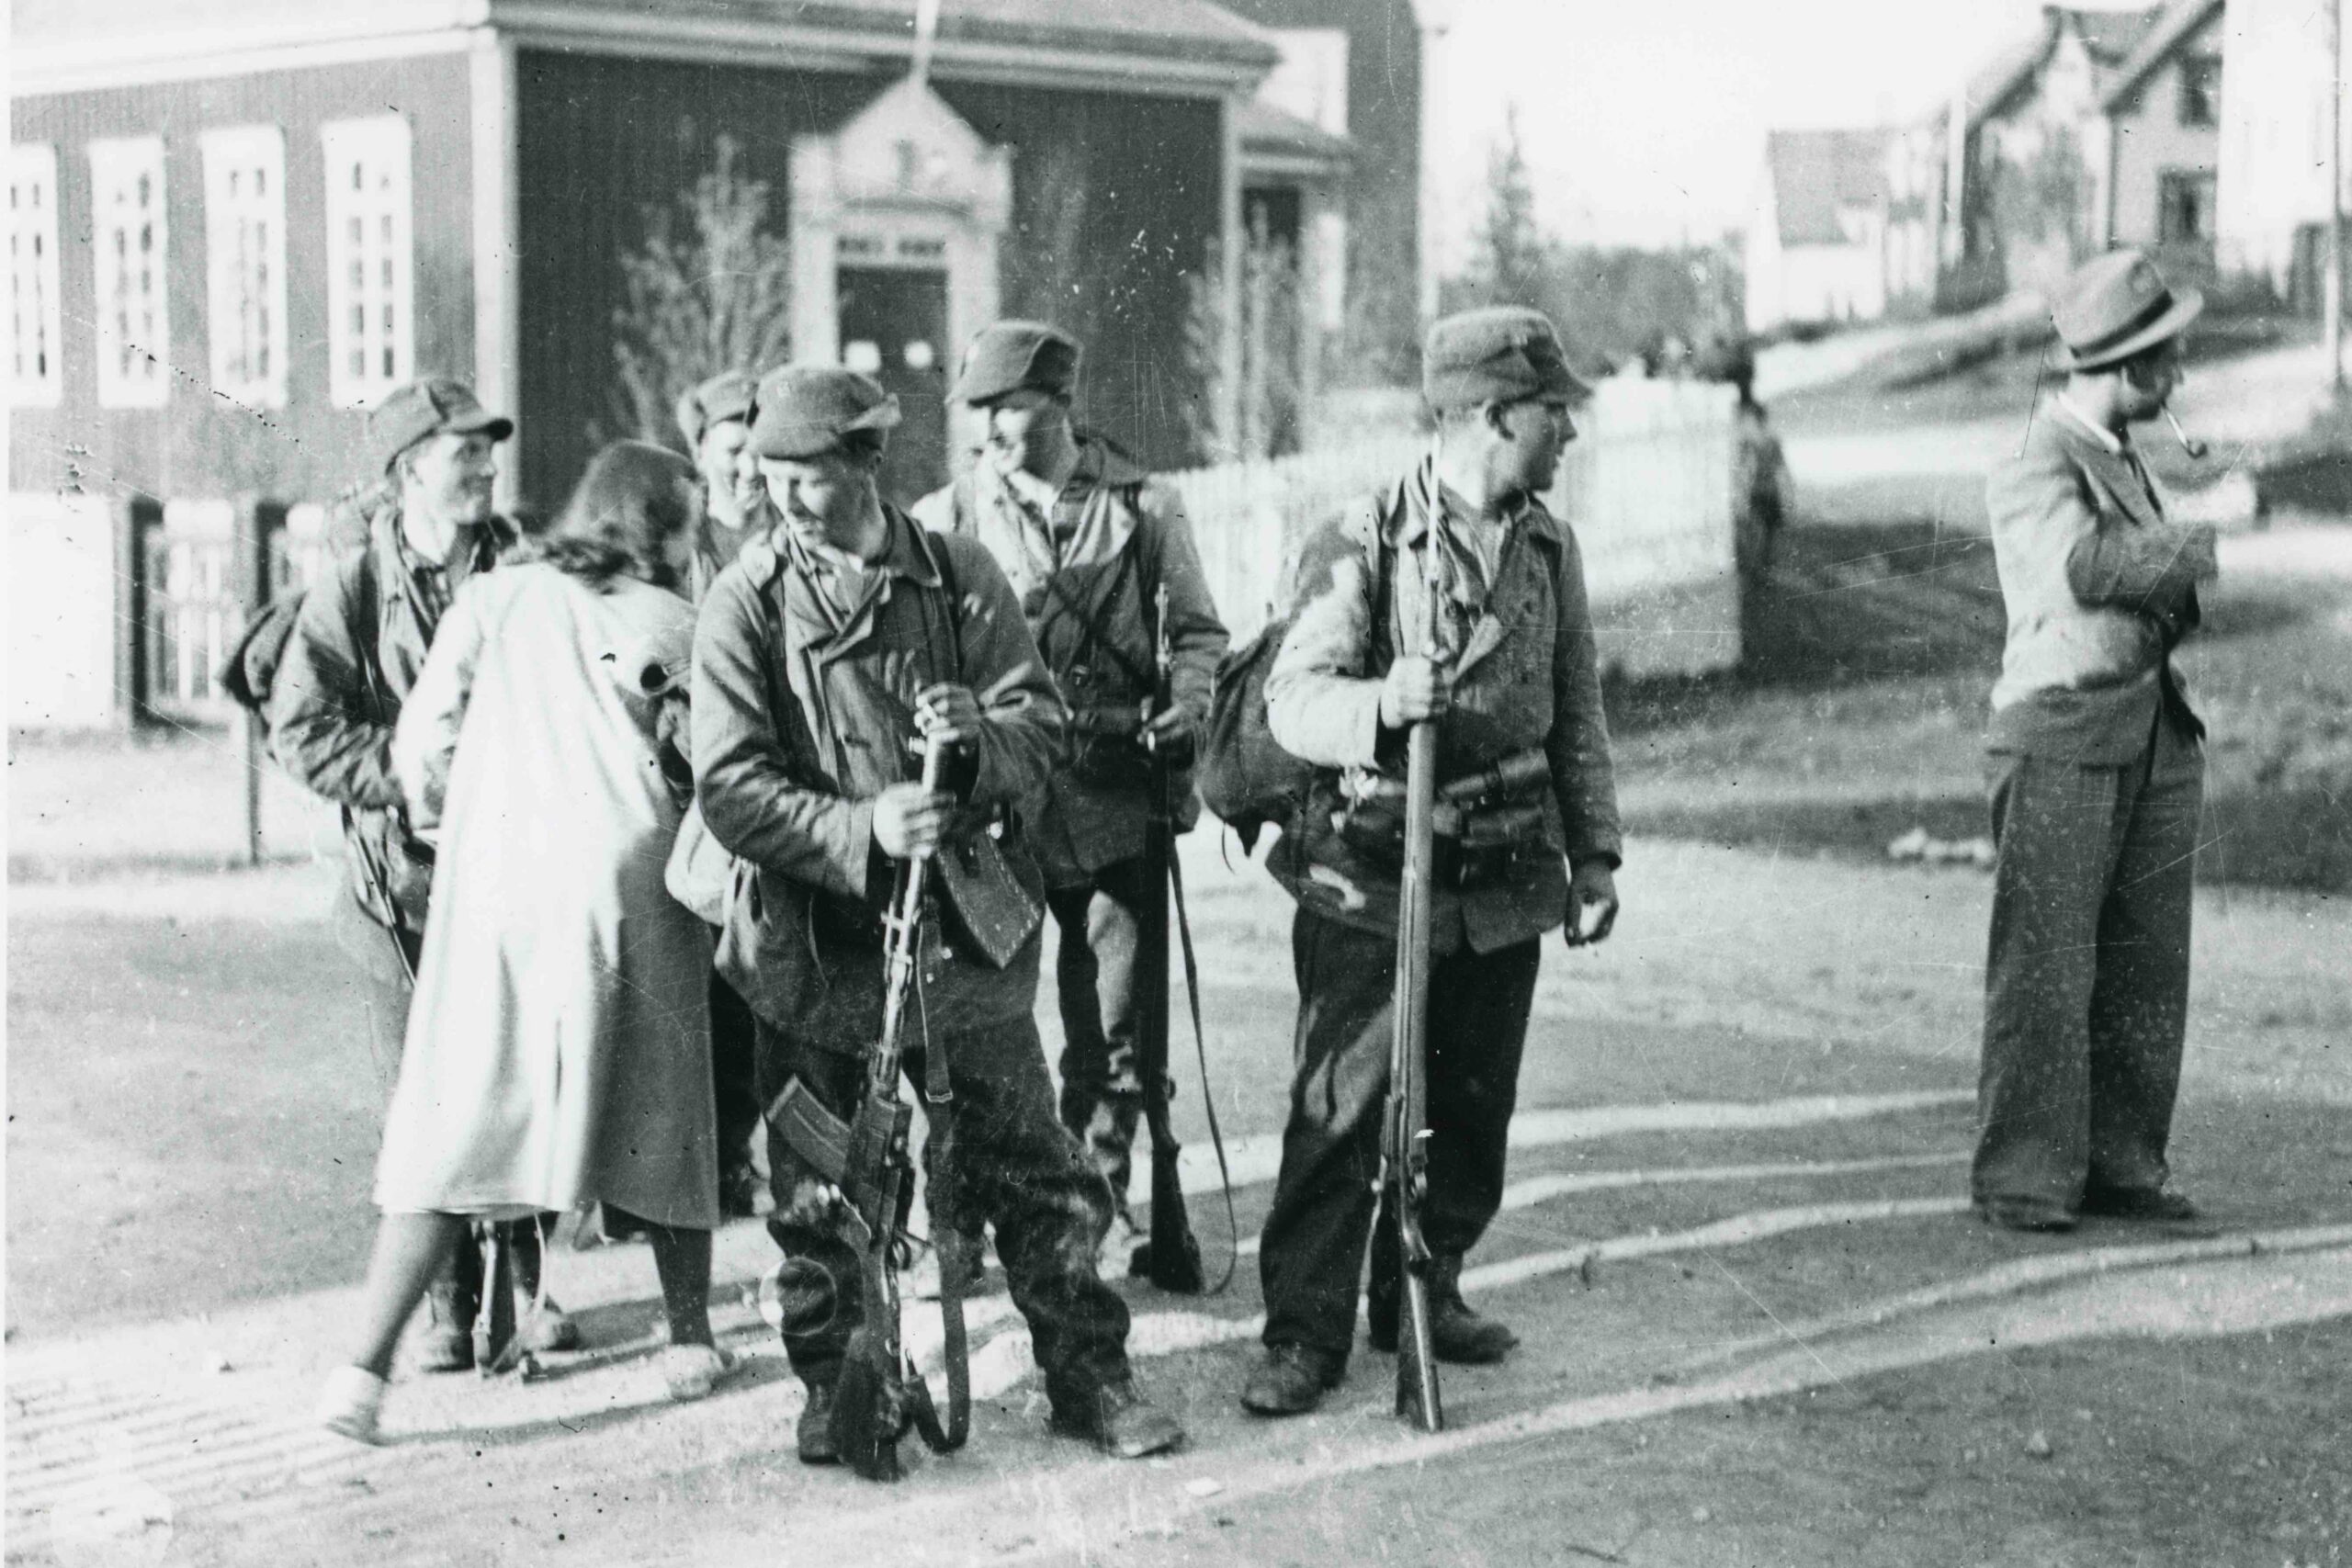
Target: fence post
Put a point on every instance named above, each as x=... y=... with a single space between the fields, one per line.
x=133 y=516
x=253 y=522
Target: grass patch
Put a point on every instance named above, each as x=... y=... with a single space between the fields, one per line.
x=1860 y=711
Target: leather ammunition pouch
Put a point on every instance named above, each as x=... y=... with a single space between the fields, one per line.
x=1485 y=822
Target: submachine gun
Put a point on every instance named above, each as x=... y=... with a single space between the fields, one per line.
x=1171 y=1258
x=881 y=1393
x=1404 y=1144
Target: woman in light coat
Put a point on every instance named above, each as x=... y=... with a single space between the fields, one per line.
x=558 y=1051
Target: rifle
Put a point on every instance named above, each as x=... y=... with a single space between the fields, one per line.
x=1405 y=1128
x=1171 y=1257
x=881 y=1393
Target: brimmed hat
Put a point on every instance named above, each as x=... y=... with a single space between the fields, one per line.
x=409 y=413
x=1501 y=353
x=1012 y=356
x=731 y=394
x=2115 y=306
x=805 y=410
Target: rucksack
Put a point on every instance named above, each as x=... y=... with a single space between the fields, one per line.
x=1243 y=775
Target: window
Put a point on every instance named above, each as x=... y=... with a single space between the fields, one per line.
x=244 y=240
x=2201 y=90
x=371 y=264
x=33 y=378
x=2184 y=207
x=133 y=273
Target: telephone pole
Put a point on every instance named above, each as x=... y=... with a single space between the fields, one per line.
x=2331 y=293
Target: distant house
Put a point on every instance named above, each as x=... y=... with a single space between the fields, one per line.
x=1815 y=248
x=2272 y=204
x=236 y=223
x=2163 y=114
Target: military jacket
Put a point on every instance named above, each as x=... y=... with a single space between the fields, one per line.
x=1526 y=676
x=799 y=722
x=1087 y=585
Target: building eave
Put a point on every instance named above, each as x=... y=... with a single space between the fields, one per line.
x=2186 y=20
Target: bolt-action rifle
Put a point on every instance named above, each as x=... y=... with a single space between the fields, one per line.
x=1405 y=1131
x=881 y=1393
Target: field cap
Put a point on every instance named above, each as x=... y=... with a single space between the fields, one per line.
x=805 y=410
x=1012 y=356
x=2114 y=305
x=409 y=413
x=1498 y=355
x=731 y=394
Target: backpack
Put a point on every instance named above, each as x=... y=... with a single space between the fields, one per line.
x=1243 y=775
x=248 y=672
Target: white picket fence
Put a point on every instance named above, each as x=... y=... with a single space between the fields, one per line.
x=1646 y=487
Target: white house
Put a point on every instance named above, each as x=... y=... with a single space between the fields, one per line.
x=1817 y=246
x=2272 y=203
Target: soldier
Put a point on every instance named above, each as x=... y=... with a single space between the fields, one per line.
x=716 y=417
x=2097 y=771
x=1518 y=699
x=354 y=651
x=1087 y=540
x=817 y=659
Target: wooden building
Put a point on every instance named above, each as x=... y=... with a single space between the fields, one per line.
x=235 y=223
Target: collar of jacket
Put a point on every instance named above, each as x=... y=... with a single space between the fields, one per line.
x=2111 y=470
x=1103 y=462
x=1404 y=508
x=905 y=555
x=473 y=545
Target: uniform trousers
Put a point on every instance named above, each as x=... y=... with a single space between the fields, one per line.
x=1312 y=1257
x=733 y=1075
x=1094 y=978
x=1015 y=1167
x=2086 y=972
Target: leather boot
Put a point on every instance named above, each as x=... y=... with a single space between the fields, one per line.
x=1458 y=1334
x=1291 y=1380
x=1118 y=1419
x=813 y=1436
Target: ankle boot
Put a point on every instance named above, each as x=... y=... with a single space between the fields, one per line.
x=1457 y=1333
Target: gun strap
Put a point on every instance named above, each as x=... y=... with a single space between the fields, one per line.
x=950 y=1242
x=1201 y=1050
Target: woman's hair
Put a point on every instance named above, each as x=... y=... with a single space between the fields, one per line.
x=634 y=499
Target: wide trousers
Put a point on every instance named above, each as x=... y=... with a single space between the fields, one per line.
x=2086 y=972
x=1312 y=1256
x=1094 y=978
x=1014 y=1168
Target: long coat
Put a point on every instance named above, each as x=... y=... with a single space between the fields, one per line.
x=558 y=1049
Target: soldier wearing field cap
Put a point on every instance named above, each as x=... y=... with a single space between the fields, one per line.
x=821 y=654
x=2097 y=776
x=1088 y=539
x=1512 y=682
x=715 y=419
x=356 y=650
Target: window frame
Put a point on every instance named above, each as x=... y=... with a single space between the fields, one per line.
x=116 y=164
x=2169 y=182
x=377 y=151
x=232 y=300
x=33 y=166
x=2198 y=104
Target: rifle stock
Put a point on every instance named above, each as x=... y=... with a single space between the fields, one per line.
x=1406 y=1132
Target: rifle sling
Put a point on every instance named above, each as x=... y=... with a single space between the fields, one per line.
x=1201 y=1050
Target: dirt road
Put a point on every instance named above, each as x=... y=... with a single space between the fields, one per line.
x=1760 y=1326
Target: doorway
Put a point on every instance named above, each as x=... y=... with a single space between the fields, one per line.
x=894 y=328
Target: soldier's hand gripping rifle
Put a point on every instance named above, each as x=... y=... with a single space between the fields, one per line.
x=881 y=1393
x=1405 y=1131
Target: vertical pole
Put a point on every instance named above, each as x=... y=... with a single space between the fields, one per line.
x=1435 y=20
x=133 y=516
x=2331 y=282
x=1230 y=260
x=497 y=255
x=254 y=523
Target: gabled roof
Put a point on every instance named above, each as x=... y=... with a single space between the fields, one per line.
x=2181 y=21
x=1816 y=174
x=1194 y=37
x=1269 y=133
x=2110 y=37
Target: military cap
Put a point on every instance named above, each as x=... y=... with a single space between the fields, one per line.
x=1012 y=356
x=805 y=410
x=1498 y=354
x=731 y=394
x=2113 y=307
x=409 y=413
